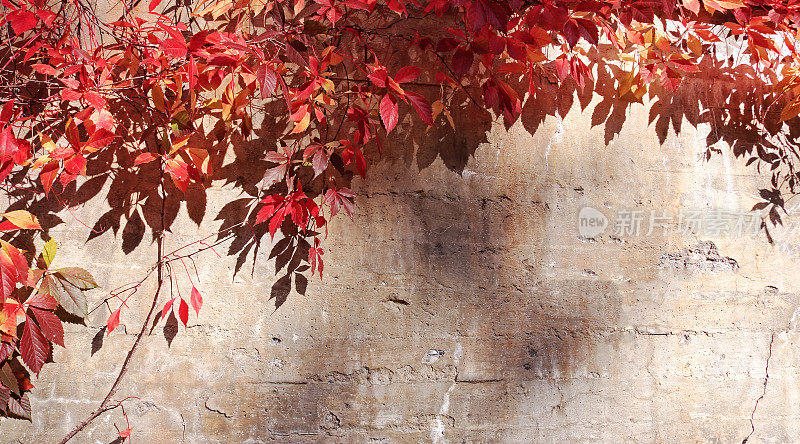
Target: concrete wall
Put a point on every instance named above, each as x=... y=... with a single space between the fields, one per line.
x=462 y=305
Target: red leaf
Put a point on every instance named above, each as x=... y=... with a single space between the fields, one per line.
x=422 y=106
x=275 y=174
x=144 y=158
x=47 y=17
x=192 y=72
x=389 y=112
x=7 y=112
x=48 y=175
x=22 y=20
x=407 y=74
x=174 y=48
x=154 y=4
x=340 y=199
x=183 y=312
x=276 y=221
x=571 y=33
x=42 y=300
x=354 y=153
x=378 y=77
x=268 y=80
x=33 y=346
x=20 y=407
x=167 y=307
x=476 y=16
x=172 y=31
x=11 y=263
x=9 y=145
x=670 y=79
x=95 y=99
x=113 y=321
x=562 y=68
x=125 y=433
x=44 y=69
x=315 y=258
x=198 y=40
x=75 y=165
x=51 y=326
x=20 y=263
x=70 y=95
x=692 y=5
x=197 y=300
x=179 y=172
x=102 y=119
x=5 y=351
x=462 y=61
x=319 y=162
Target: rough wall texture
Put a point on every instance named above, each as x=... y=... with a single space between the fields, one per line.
x=463 y=305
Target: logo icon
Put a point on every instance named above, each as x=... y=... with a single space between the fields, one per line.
x=591 y=222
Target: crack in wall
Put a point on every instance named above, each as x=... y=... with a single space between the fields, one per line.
x=763 y=392
x=215 y=410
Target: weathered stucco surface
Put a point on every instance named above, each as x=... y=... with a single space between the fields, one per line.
x=462 y=305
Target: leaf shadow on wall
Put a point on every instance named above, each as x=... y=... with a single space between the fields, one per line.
x=729 y=100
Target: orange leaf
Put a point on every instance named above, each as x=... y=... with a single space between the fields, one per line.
x=23 y=219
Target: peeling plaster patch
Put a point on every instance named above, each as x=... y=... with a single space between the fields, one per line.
x=437 y=431
x=701 y=257
x=385 y=418
x=469 y=174
x=383 y=375
x=432 y=356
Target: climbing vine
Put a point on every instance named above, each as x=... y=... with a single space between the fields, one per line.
x=155 y=98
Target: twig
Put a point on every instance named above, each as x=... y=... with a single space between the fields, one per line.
x=160 y=273
x=104 y=406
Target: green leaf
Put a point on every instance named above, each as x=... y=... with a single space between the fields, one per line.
x=69 y=296
x=49 y=252
x=77 y=277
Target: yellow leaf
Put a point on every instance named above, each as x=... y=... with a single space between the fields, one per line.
x=327 y=85
x=302 y=125
x=258 y=6
x=23 y=219
x=47 y=142
x=41 y=161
